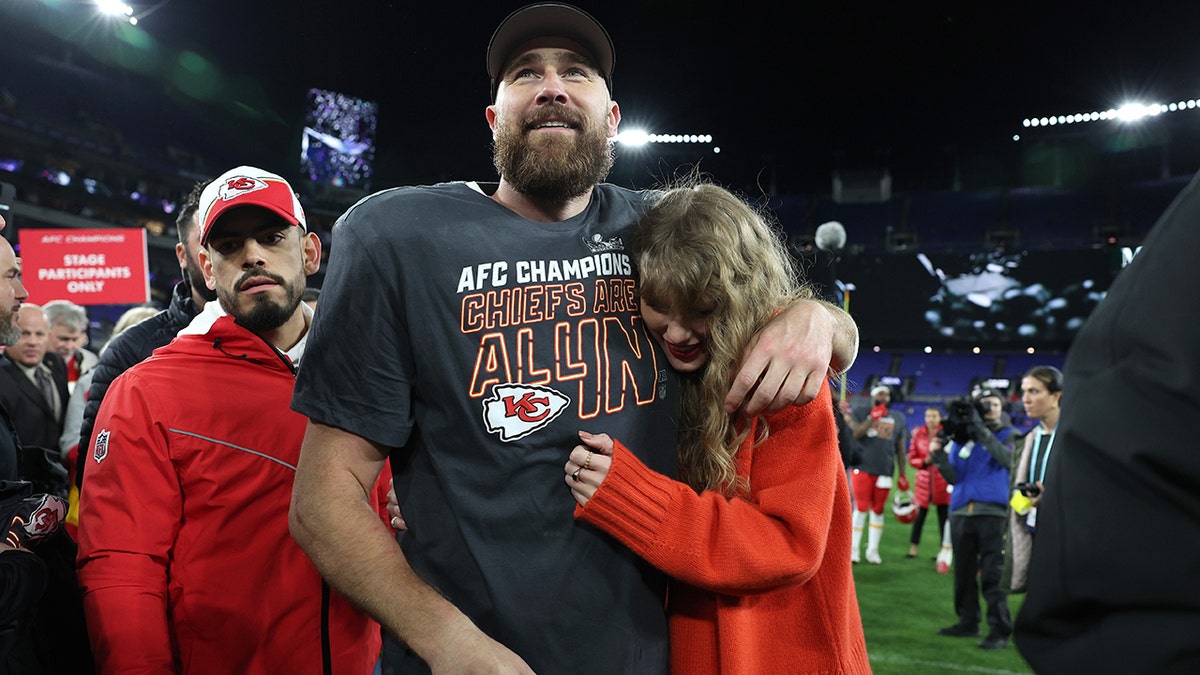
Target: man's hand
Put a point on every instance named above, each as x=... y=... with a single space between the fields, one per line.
x=786 y=362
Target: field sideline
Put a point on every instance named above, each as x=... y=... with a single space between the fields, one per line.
x=903 y=604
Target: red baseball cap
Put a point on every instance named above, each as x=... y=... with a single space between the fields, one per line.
x=248 y=186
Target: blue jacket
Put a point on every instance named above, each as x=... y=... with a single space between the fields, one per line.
x=980 y=477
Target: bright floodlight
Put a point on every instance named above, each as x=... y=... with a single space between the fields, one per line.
x=1127 y=113
x=638 y=137
x=635 y=137
x=1132 y=112
x=114 y=7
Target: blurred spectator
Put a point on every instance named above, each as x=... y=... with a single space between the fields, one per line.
x=68 y=337
x=12 y=294
x=1041 y=394
x=137 y=342
x=26 y=519
x=51 y=639
x=881 y=434
x=977 y=464
x=849 y=447
x=34 y=381
x=930 y=488
x=68 y=442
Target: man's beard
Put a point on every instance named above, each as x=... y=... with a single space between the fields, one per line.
x=552 y=169
x=263 y=314
x=9 y=331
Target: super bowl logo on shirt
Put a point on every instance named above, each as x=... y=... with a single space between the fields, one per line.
x=100 y=447
x=516 y=410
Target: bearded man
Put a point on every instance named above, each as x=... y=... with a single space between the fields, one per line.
x=469 y=330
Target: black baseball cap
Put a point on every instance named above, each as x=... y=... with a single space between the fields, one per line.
x=550 y=19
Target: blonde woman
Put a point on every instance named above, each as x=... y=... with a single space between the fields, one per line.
x=755 y=531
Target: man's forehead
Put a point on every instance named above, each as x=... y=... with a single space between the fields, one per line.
x=546 y=49
x=31 y=316
x=8 y=257
x=247 y=220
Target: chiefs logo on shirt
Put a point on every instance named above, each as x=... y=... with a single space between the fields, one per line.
x=516 y=410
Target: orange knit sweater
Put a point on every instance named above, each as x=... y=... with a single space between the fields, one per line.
x=761 y=584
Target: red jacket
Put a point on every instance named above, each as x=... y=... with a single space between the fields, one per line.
x=918 y=450
x=761 y=584
x=185 y=558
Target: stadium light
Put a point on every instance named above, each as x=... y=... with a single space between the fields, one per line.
x=1127 y=113
x=640 y=137
x=118 y=9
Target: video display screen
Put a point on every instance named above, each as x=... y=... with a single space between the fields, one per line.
x=992 y=300
x=338 y=143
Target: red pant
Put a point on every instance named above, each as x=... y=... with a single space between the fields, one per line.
x=867 y=497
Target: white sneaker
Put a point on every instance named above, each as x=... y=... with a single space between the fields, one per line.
x=854 y=557
x=945 y=558
x=873 y=558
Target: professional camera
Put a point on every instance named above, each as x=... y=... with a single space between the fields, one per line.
x=959 y=416
x=1030 y=490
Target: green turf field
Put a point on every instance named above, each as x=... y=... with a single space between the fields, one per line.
x=904 y=602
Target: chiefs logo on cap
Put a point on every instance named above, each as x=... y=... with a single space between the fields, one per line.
x=237 y=186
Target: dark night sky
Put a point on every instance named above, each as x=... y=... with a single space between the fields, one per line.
x=790 y=91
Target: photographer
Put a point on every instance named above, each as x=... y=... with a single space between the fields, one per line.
x=977 y=463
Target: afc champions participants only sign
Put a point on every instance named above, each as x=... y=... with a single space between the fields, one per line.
x=87 y=267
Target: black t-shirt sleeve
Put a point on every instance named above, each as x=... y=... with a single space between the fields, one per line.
x=357 y=371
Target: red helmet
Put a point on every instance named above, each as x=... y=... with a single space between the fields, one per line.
x=903 y=507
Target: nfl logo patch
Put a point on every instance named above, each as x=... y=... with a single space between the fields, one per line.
x=100 y=448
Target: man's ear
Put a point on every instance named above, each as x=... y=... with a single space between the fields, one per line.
x=181 y=256
x=311 y=249
x=490 y=114
x=206 y=268
x=614 y=119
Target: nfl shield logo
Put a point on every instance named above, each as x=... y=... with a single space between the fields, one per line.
x=100 y=449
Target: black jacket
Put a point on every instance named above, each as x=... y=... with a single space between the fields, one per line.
x=130 y=347
x=35 y=422
x=1123 y=481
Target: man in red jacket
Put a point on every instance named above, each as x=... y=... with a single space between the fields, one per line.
x=184 y=553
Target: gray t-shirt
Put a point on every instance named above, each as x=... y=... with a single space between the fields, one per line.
x=479 y=343
x=879 y=444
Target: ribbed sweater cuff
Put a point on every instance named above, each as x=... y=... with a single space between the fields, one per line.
x=632 y=502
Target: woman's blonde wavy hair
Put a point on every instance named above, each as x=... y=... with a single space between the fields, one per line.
x=703 y=248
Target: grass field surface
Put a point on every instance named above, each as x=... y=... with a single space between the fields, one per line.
x=904 y=602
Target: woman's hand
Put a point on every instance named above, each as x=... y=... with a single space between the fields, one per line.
x=393 y=508
x=588 y=465
x=1041 y=490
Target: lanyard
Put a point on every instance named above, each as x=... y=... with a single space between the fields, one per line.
x=1037 y=444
